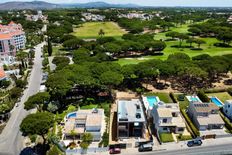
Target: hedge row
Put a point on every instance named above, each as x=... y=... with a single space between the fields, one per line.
x=184 y=137
x=204 y=98
x=191 y=125
x=172 y=96
x=216 y=90
x=228 y=125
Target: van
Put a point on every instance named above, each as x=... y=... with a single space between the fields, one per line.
x=145 y=147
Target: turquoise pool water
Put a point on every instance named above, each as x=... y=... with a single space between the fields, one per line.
x=152 y=100
x=194 y=99
x=216 y=101
x=72 y=115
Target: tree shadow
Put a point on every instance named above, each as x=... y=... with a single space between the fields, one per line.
x=228 y=82
x=39 y=149
x=161 y=86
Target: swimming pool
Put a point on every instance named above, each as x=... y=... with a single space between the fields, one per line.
x=216 y=101
x=152 y=100
x=193 y=98
x=72 y=115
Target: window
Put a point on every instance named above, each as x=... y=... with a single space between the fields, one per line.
x=165 y=120
x=228 y=106
x=165 y=128
x=226 y=111
x=180 y=129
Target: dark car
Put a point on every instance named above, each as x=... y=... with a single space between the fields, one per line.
x=195 y=142
x=145 y=147
x=115 y=151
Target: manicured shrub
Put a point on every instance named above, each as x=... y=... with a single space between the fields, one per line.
x=228 y=124
x=184 y=137
x=174 y=99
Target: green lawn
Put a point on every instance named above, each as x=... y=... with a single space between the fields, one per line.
x=183 y=104
x=90 y=30
x=58 y=51
x=90 y=106
x=105 y=106
x=184 y=137
x=221 y=96
x=162 y=96
x=207 y=48
x=166 y=137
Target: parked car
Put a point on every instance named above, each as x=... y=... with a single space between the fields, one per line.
x=194 y=142
x=145 y=147
x=115 y=151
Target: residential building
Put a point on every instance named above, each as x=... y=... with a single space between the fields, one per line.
x=141 y=16
x=38 y=16
x=12 y=38
x=131 y=120
x=205 y=116
x=92 y=17
x=229 y=20
x=227 y=109
x=84 y=121
x=167 y=118
x=2 y=74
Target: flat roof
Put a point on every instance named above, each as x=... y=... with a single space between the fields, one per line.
x=87 y=118
x=130 y=111
x=94 y=120
x=211 y=119
x=204 y=107
x=164 y=112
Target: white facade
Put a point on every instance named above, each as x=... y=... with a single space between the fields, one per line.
x=20 y=41
x=167 y=118
x=227 y=108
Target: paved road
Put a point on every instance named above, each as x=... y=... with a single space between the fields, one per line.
x=11 y=140
x=208 y=150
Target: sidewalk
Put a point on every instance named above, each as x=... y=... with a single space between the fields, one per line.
x=176 y=146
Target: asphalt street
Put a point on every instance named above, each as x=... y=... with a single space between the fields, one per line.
x=224 y=149
x=11 y=139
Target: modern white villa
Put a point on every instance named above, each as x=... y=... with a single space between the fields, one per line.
x=205 y=116
x=227 y=109
x=131 y=120
x=167 y=118
x=82 y=121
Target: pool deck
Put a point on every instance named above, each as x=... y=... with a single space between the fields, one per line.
x=147 y=104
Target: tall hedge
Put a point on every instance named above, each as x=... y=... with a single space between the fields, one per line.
x=174 y=99
x=204 y=98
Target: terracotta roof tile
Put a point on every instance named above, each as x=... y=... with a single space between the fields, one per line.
x=5 y=36
x=2 y=73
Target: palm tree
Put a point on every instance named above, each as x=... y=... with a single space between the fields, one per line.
x=101 y=33
x=87 y=139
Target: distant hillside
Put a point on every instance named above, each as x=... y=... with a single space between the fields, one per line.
x=100 y=5
x=16 y=5
x=27 y=5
